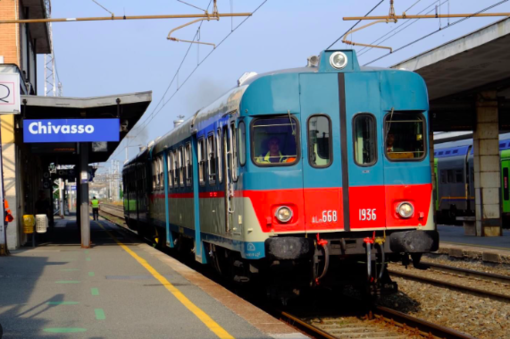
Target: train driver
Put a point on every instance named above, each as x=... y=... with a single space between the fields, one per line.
x=390 y=148
x=274 y=155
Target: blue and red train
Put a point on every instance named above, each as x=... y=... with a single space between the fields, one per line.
x=306 y=176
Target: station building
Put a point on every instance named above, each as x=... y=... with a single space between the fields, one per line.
x=25 y=164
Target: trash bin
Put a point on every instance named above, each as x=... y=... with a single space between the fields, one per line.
x=41 y=223
x=28 y=224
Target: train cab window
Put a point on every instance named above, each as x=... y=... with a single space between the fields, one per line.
x=451 y=176
x=275 y=141
x=201 y=161
x=188 y=164
x=365 y=153
x=170 y=172
x=181 y=167
x=211 y=159
x=241 y=141
x=405 y=136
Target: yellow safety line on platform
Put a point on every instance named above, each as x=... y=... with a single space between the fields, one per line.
x=207 y=320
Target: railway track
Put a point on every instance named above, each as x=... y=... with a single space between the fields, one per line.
x=378 y=322
x=481 y=279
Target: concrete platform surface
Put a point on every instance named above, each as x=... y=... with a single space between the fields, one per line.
x=113 y=290
x=454 y=243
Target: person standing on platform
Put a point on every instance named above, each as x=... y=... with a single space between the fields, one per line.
x=95 y=208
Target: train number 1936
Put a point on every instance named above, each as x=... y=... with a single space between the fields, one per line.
x=367 y=214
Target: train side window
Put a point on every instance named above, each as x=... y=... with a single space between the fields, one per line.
x=211 y=159
x=170 y=174
x=365 y=150
x=233 y=149
x=188 y=164
x=241 y=142
x=405 y=136
x=160 y=173
x=201 y=161
x=181 y=166
x=459 y=177
x=220 y=157
x=451 y=177
x=444 y=178
x=176 y=169
x=154 y=175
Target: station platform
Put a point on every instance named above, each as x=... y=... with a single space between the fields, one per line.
x=454 y=243
x=120 y=288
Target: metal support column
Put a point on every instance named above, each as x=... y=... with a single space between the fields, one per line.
x=83 y=197
x=487 y=166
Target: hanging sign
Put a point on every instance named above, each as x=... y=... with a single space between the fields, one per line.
x=9 y=93
x=70 y=130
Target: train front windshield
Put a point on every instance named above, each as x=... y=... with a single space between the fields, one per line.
x=405 y=136
x=275 y=141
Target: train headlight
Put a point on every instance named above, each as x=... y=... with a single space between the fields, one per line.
x=405 y=210
x=338 y=60
x=284 y=214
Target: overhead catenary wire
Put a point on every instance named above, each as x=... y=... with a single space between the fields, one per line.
x=436 y=31
x=356 y=24
x=201 y=62
x=406 y=24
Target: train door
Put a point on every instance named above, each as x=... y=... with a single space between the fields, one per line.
x=505 y=192
x=363 y=122
x=321 y=144
x=228 y=185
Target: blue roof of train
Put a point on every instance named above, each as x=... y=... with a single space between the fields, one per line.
x=454 y=151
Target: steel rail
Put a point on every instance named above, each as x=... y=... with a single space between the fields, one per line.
x=425 y=327
x=468 y=272
x=453 y=286
x=129 y=17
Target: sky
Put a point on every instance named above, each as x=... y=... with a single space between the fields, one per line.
x=119 y=57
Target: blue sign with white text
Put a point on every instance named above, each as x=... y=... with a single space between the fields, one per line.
x=70 y=130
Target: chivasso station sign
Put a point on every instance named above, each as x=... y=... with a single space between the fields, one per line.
x=70 y=130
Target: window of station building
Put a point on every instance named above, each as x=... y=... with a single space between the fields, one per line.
x=188 y=163
x=170 y=173
x=241 y=142
x=181 y=166
x=365 y=139
x=405 y=136
x=211 y=159
x=220 y=157
x=201 y=161
x=275 y=141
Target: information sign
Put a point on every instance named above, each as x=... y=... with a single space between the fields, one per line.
x=70 y=130
x=9 y=93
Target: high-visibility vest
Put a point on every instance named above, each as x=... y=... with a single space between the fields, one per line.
x=95 y=203
x=266 y=158
x=8 y=215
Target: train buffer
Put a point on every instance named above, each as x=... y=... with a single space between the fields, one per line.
x=119 y=288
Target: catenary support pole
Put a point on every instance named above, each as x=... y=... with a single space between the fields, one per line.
x=84 y=195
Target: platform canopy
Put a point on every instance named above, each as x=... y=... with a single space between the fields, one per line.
x=128 y=108
x=460 y=69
